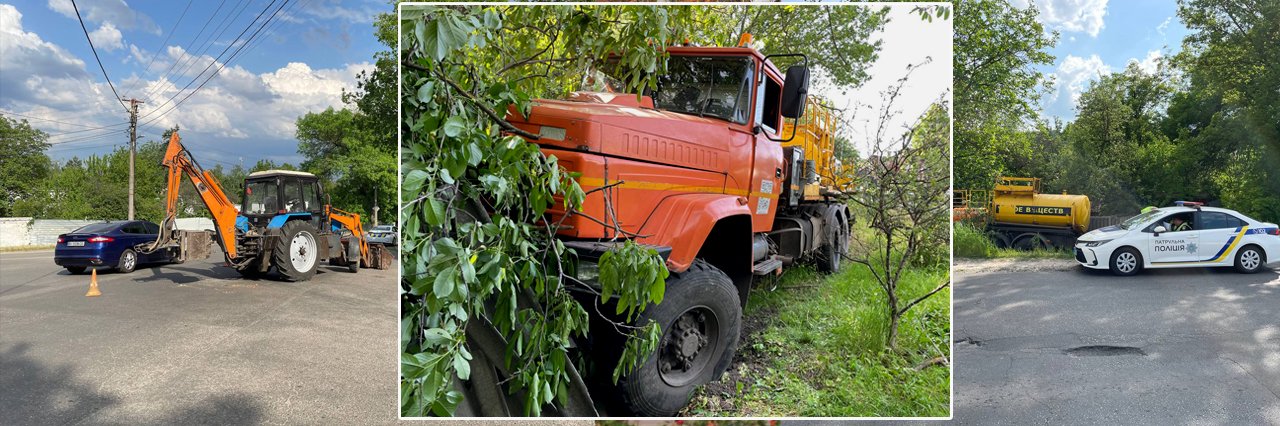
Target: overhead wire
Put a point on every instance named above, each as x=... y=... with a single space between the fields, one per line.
x=221 y=65
x=216 y=60
x=187 y=48
x=54 y=121
x=185 y=62
x=162 y=44
x=95 y=56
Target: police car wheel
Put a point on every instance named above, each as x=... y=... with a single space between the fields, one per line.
x=1126 y=262
x=1250 y=260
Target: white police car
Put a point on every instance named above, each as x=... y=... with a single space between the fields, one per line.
x=1216 y=237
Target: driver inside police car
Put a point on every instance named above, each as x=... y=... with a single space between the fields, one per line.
x=1179 y=224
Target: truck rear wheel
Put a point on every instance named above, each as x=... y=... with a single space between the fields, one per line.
x=296 y=253
x=701 y=320
x=837 y=242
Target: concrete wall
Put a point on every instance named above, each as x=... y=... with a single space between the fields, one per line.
x=13 y=231
x=25 y=231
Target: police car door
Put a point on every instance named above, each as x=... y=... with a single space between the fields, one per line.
x=1172 y=247
x=1218 y=232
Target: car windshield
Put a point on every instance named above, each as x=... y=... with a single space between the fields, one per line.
x=382 y=228
x=704 y=86
x=1132 y=222
x=97 y=228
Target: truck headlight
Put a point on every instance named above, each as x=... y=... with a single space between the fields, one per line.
x=1096 y=243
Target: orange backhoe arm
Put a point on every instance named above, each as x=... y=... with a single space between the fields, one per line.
x=180 y=161
x=351 y=221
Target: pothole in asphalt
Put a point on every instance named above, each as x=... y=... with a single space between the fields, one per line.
x=1104 y=350
x=971 y=341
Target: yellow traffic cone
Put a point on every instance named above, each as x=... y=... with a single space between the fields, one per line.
x=93 y=286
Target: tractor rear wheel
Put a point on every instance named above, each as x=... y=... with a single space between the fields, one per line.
x=296 y=253
x=701 y=320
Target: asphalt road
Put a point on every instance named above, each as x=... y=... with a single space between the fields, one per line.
x=195 y=343
x=1187 y=346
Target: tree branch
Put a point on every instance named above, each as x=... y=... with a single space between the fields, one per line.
x=485 y=108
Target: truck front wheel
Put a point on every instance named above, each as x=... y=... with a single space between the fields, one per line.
x=701 y=320
x=296 y=253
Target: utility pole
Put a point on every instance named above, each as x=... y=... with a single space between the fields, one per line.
x=375 y=206
x=133 y=146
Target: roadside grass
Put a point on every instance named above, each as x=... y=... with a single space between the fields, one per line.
x=814 y=346
x=971 y=242
x=27 y=248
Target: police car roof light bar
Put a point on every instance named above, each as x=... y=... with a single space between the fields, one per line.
x=1193 y=204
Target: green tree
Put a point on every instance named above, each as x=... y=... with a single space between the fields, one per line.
x=997 y=47
x=23 y=163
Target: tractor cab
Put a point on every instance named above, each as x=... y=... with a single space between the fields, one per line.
x=271 y=197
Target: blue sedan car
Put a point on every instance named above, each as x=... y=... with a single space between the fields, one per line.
x=108 y=244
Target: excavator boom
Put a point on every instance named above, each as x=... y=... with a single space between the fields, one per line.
x=179 y=161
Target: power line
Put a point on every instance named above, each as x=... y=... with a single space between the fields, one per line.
x=95 y=55
x=162 y=44
x=84 y=138
x=231 y=58
x=183 y=63
x=85 y=130
x=56 y=121
x=215 y=60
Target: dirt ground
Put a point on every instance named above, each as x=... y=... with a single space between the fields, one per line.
x=980 y=266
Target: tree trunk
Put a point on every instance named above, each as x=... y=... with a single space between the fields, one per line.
x=892 y=341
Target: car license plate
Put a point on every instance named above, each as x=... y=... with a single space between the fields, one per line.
x=75 y=244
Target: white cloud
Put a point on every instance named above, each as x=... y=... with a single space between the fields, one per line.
x=42 y=63
x=1071 y=15
x=107 y=37
x=1075 y=73
x=1150 y=63
x=114 y=11
x=238 y=115
x=1164 y=26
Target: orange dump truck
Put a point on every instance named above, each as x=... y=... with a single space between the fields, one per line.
x=711 y=170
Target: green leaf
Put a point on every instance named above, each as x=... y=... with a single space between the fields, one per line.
x=443 y=285
x=434 y=212
x=425 y=91
x=413 y=181
x=435 y=336
x=461 y=366
x=454 y=126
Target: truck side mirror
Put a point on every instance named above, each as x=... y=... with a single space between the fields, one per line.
x=795 y=91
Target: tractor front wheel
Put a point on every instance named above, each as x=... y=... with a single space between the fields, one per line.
x=296 y=253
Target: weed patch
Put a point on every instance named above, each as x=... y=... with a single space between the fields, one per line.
x=815 y=347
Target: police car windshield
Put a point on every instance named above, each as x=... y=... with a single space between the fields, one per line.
x=1132 y=222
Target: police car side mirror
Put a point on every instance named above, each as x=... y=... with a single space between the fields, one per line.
x=1160 y=230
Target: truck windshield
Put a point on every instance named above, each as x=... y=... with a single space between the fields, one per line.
x=260 y=198
x=705 y=86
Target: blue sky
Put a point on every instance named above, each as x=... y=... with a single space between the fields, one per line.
x=1098 y=36
x=300 y=63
